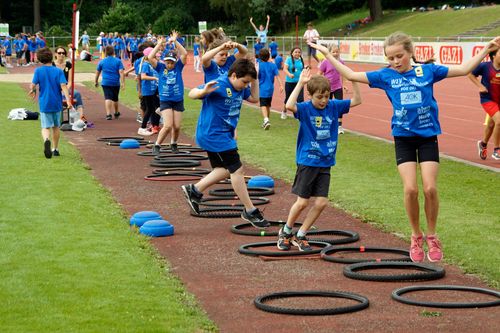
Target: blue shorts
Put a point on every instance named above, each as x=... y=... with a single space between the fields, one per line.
x=77 y=97
x=176 y=106
x=50 y=119
x=111 y=92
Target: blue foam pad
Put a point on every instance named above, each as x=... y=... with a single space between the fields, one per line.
x=139 y=218
x=261 y=181
x=157 y=228
x=129 y=144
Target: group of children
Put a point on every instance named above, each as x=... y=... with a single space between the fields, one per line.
x=229 y=79
x=23 y=47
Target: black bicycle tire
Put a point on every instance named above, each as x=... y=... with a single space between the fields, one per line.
x=119 y=138
x=256 y=201
x=326 y=254
x=176 y=163
x=351 y=236
x=239 y=229
x=202 y=171
x=164 y=177
x=149 y=153
x=430 y=272
x=259 y=302
x=243 y=249
x=396 y=295
x=188 y=156
x=218 y=212
x=253 y=192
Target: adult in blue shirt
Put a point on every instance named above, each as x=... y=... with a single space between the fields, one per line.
x=415 y=126
x=112 y=79
x=261 y=32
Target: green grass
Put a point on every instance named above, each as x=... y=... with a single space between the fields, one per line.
x=85 y=67
x=70 y=262
x=3 y=70
x=424 y=24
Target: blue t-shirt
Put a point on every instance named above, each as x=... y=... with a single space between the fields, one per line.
x=148 y=87
x=19 y=45
x=40 y=42
x=170 y=84
x=49 y=80
x=110 y=68
x=132 y=45
x=32 y=45
x=257 y=47
x=279 y=62
x=295 y=67
x=8 y=47
x=219 y=116
x=262 y=35
x=196 y=49
x=85 y=39
x=490 y=78
x=273 y=48
x=267 y=72
x=213 y=71
x=318 y=132
x=411 y=95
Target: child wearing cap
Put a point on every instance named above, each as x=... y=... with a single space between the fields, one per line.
x=170 y=89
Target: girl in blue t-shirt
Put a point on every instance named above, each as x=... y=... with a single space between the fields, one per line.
x=170 y=89
x=415 y=126
x=217 y=61
x=196 y=53
x=293 y=66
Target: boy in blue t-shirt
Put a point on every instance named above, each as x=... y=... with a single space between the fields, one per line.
x=50 y=81
x=170 y=90
x=220 y=112
x=279 y=61
x=267 y=72
x=273 y=48
x=217 y=61
x=316 y=149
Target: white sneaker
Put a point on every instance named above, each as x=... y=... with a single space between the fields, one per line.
x=138 y=118
x=341 y=130
x=144 y=132
x=283 y=115
x=266 y=125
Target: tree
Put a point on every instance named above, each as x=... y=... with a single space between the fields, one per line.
x=36 y=15
x=375 y=9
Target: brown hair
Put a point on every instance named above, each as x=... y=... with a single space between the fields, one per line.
x=61 y=47
x=243 y=67
x=44 y=55
x=110 y=50
x=399 y=37
x=264 y=55
x=318 y=83
x=212 y=35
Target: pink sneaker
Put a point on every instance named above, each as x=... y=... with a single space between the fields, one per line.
x=417 y=253
x=435 y=252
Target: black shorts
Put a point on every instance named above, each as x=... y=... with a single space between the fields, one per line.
x=337 y=94
x=289 y=86
x=311 y=51
x=229 y=160
x=176 y=106
x=265 y=101
x=416 y=149
x=19 y=54
x=111 y=92
x=311 y=182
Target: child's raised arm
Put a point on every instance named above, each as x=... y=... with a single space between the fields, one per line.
x=197 y=93
x=254 y=92
x=340 y=67
x=208 y=56
x=291 y=103
x=466 y=68
x=182 y=51
x=356 y=95
x=152 y=56
x=242 y=50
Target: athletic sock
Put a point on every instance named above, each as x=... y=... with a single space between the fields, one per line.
x=301 y=233
x=266 y=119
x=287 y=229
x=251 y=211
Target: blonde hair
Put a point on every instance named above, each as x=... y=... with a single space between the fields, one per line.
x=399 y=37
x=333 y=47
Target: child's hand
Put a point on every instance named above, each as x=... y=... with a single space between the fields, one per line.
x=319 y=47
x=494 y=44
x=483 y=89
x=210 y=87
x=174 y=35
x=251 y=19
x=229 y=45
x=305 y=76
x=32 y=93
